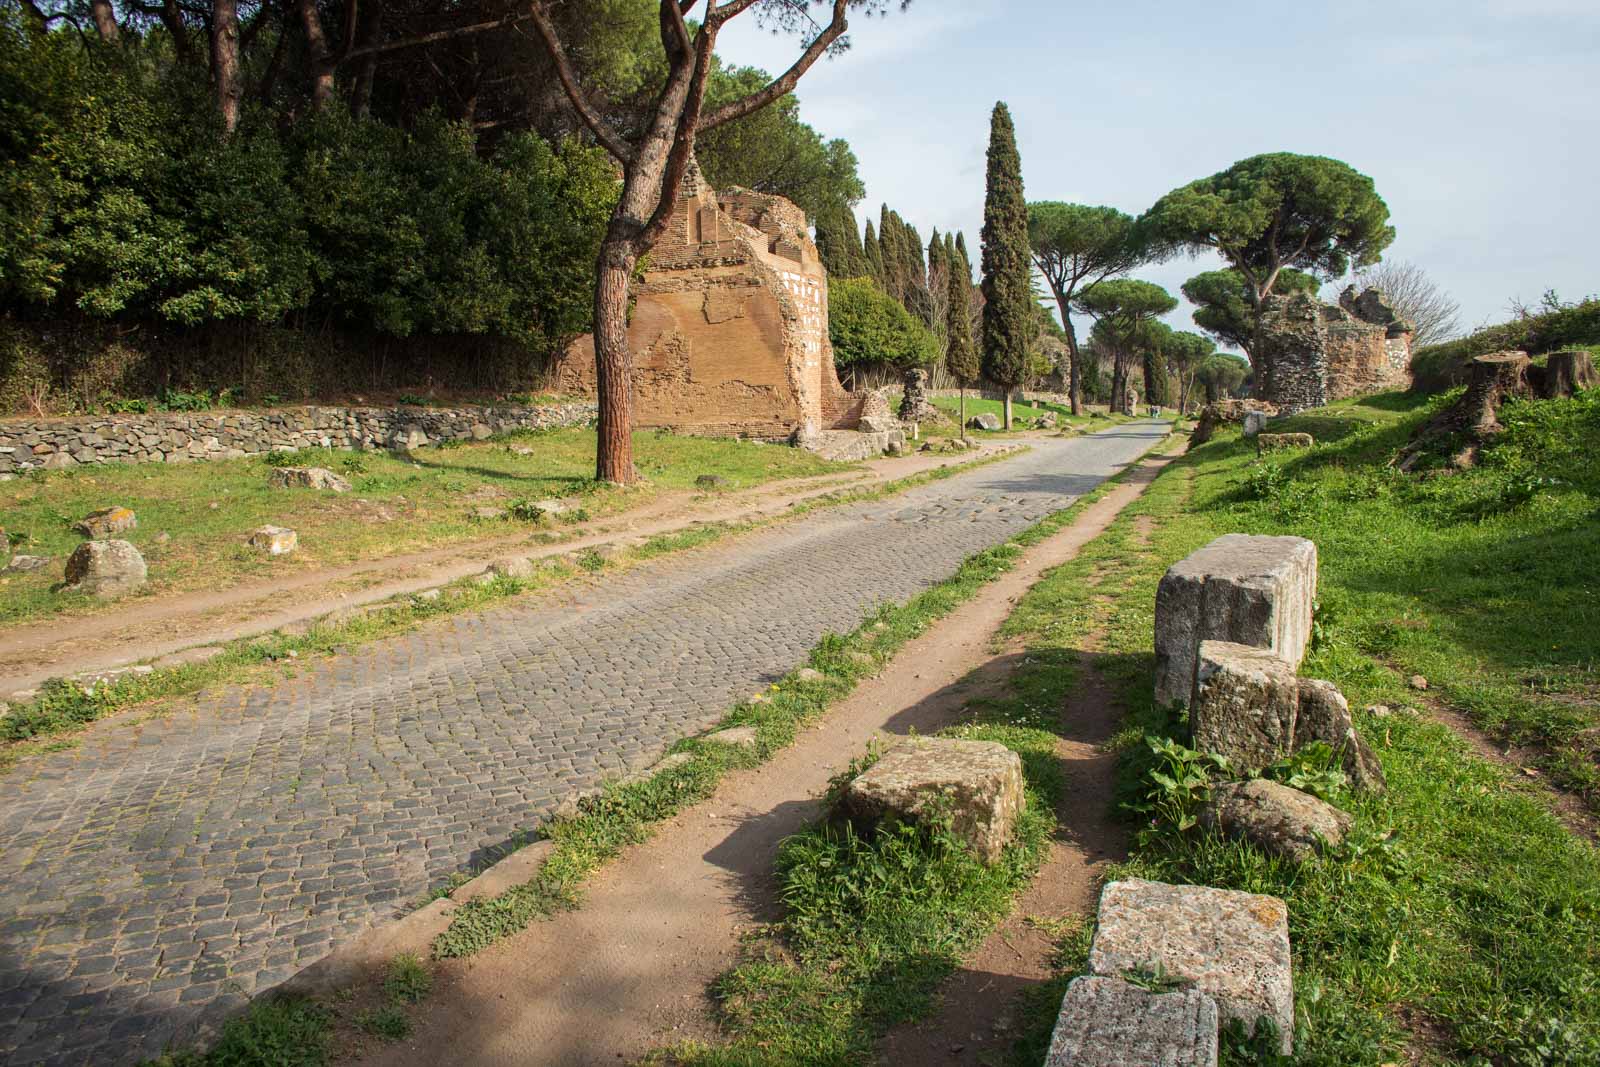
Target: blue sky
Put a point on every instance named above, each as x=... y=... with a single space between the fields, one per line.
x=1479 y=121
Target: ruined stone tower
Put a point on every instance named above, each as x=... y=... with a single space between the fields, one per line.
x=729 y=332
x=1310 y=353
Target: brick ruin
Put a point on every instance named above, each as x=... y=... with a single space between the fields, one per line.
x=729 y=332
x=1311 y=353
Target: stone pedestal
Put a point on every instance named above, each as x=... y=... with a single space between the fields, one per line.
x=1232 y=946
x=1243 y=588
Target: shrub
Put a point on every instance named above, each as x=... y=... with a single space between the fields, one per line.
x=868 y=326
x=1439 y=367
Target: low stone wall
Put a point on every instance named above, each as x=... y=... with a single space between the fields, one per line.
x=177 y=437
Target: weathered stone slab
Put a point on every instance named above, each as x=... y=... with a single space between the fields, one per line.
x=307 y=478
x=275 y=540
x=105 y=569
x=22 y=563
x=106 y=523
x=986 y=421
x=980 y=783
x=1278 y=442
x=1106 y=1022
x=1254 y=423
x=1244 y=706
x=1279 y=820
x=1323 y=714
x=1233 y=946
x=1244 y=588
x=851 y=446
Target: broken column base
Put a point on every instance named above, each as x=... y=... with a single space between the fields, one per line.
x=1106 y=1022
x=977 y=784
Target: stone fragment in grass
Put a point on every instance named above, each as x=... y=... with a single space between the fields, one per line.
x=1233 y=946
x=105 y=569
x=1418 y=682
x=737 y=736
x=488 y=513
x=809 y=676
x=1254 y=423
x=1279 y=442
x=275 y=540
x=1249 y=589
x=21 y=563
x=307 y=478
x=1245 y=702
x=105 y=523
x=1277 y=819
x=5 y=549
x=711 y=481
x=977 y=783
x=986 y=421
x=1106 y=1022
x=510 y=567
x=1323 y=714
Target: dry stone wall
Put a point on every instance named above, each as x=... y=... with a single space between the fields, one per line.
x=176 y=437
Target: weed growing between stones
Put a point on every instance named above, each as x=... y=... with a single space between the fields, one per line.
x=1460 y=919
x=282 y=1031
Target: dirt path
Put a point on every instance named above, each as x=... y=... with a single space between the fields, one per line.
x=629 y=971
x=147 y=629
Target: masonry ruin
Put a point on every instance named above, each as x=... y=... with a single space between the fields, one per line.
x=729 y=332
x=1311 y=353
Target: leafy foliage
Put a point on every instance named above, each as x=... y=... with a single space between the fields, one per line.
x=1555 y=325
x=1223 y=302
x=868 y=326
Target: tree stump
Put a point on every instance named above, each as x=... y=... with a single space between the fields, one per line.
x=1492 y=379
x=1205 y=426
x=1565 y=374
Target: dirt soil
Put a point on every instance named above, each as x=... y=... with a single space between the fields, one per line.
x=150 y=628
x=629 y=971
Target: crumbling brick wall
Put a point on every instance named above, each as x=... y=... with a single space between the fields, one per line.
x=1310 y=353
x=729 y=332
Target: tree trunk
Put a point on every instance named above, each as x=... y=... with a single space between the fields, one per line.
x=962 y=417
x=1008 y=408
x=225 y=61
x=105 y=21
x=1074 y=374
x=613 y=370
x=1565 y=374
x=320 y=63
x=367 y=72
x=1119 y=385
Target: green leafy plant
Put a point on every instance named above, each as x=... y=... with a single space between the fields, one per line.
x=408 y=978
x=389 y=1022
x=1314 y=769
x=1180 y=782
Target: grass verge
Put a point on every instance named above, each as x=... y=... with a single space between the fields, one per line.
x=1460 y=921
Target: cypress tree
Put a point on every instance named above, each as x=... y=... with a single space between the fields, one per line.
x=1007 y=276
x=961 y=357
x=872 y=252
x=839 y=243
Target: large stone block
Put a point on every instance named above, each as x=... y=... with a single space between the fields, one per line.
x=1106 y=1022
x=106 y=523
x=1277 y=819
x=1244 y=706
x=1233 y=946
x=979 y=783
x=1244 y=588
x=105 y=569
x=308 y=478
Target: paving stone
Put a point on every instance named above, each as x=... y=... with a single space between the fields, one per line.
x=1233 y=946
x=334 y=776
x=1106 y=1022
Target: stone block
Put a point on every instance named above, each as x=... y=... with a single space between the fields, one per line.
x=986 y=421
x=1244 y=705
x=1244 y=588
x=105 y=569
x=105 y=523
x=1106 y=1022
x=846 y=446
x=22 y=563
x=1277 y=819
x=711 y=481
x=307 y=478
x=275 y=540
x=1233 y=946
x=511 y=567
x=1323 y=714
x=1280 y=442
x=979 y=784
x=1254 y=423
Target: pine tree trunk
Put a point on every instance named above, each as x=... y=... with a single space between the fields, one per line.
x=225 y=61
x=1074 y=374
x=962 y=417
x=613 y=380
x=1008 y=409
x=105 y=21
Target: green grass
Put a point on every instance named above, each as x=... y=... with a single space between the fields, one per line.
x=274 y=1032
x=398 y=504
x=1460 y=921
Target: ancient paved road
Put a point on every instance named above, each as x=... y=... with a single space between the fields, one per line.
x=162 y=873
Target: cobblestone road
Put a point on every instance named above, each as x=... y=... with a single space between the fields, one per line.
x=159 y=874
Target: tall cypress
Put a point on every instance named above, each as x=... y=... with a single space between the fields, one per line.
x=1008 y=321
x=839 y=243
x=961 y=356
x=872 y=252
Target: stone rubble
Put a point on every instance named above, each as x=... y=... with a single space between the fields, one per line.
x=978 y=783
x=105 y=569
x=1281 y=442
x=914 y=403
x=986 y=421
x=106 y=523
x=307 y=478
x=1244 y=705
x=275 y=540
x=1323 y=714
x=1279 y=820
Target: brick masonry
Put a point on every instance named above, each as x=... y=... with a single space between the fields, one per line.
x=176 y=437
x=158 y=874
x=1313 y=353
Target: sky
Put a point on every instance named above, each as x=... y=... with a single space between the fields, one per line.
x=1479 y=121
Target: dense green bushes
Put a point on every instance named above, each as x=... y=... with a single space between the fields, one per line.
x=1559 y=326
x=122 y=201
x=869 y=327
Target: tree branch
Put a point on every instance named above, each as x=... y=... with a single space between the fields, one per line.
x=683 y=137
x=603 y=133
x=786 y=82
x=429 y=38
